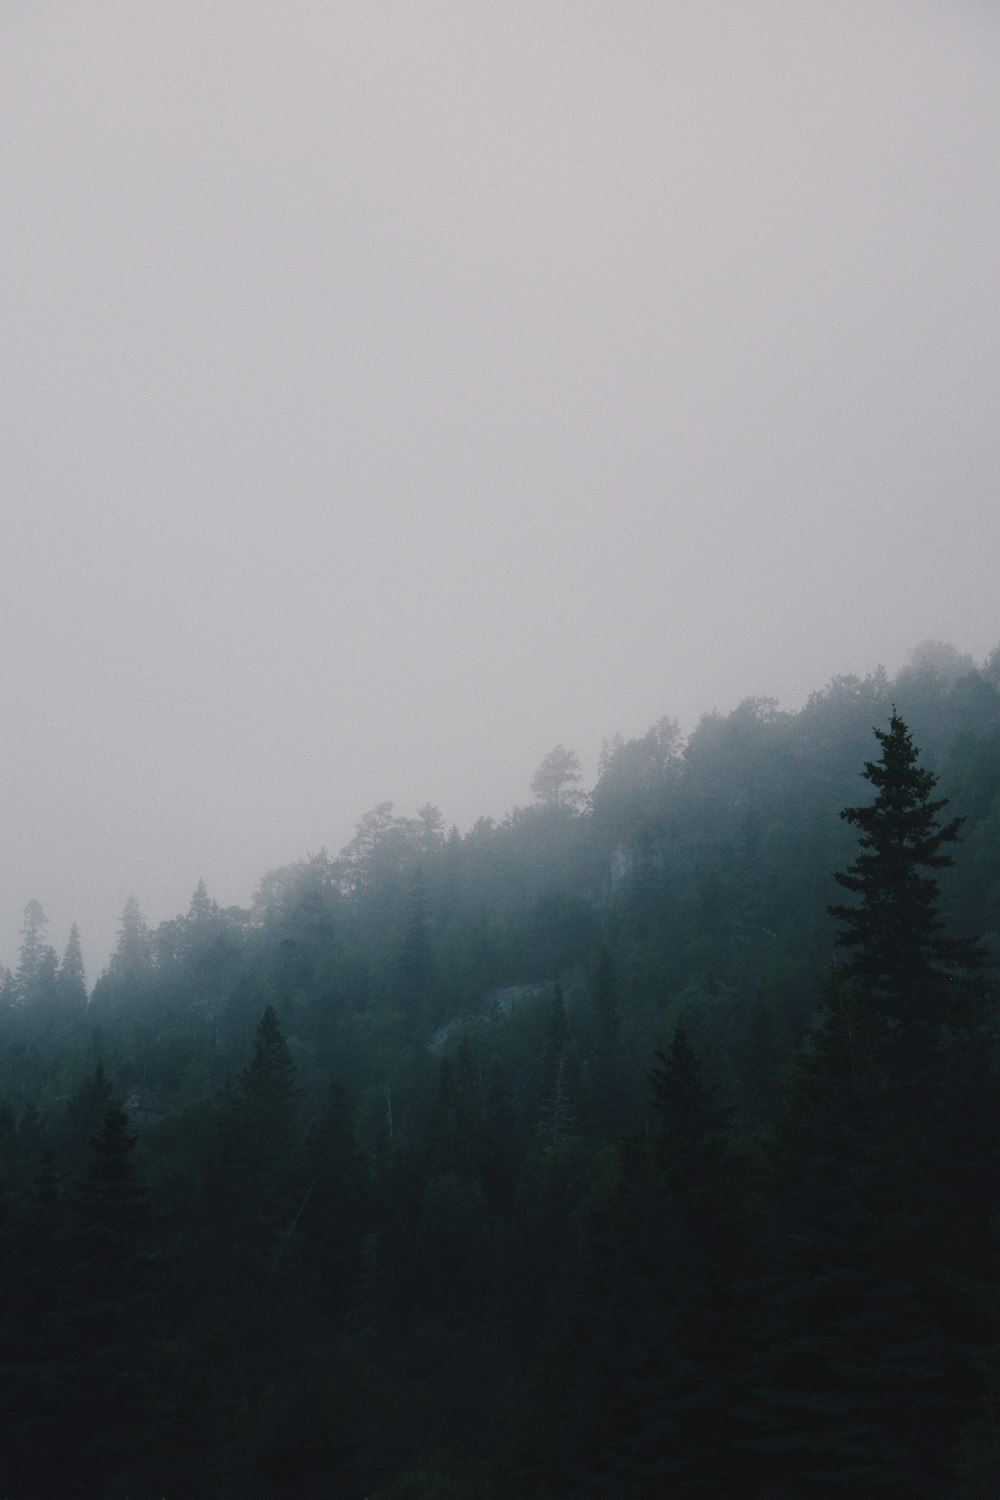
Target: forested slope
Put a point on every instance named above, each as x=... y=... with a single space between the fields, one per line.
x=585 y=1153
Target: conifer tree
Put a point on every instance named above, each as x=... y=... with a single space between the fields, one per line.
x=35 y=980
x=266 y=1105
x=665 y=1387
x=33 y=947
x=889 y=1166
x=131 y=957
x=897 y=954
x=102 y=1333
x=72 y=979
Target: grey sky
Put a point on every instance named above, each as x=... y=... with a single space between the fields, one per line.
x=393 y=390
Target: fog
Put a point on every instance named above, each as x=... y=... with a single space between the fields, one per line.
x=392 y=391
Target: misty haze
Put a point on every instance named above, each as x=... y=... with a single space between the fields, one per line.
x=500 y=891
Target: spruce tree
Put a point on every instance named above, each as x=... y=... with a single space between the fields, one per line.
x=102 y=1323
x=883 y=1232
x=33 y=953
x=661 y=1379
x=266 y=1149
x=72 y=980
x=897 y=955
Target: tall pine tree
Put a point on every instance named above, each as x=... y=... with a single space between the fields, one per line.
x=910 y=972
x=884 y=1235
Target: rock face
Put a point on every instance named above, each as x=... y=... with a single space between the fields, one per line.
x=495 y=1006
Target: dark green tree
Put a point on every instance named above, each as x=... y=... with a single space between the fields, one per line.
x=683 y=1101
x=896 y=951
x=659 y=1383
x=889 y=1163
x=102 y=1325
x=84 y=1113
x=266 y=1103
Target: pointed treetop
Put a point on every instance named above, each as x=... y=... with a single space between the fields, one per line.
x=202 y=908
x=33 y=945
x=71 y=970
x=678 y=1090
x=893 y=933
x=271 y=1066
x=134 y=948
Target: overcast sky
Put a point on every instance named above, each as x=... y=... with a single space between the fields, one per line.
x=393 y=390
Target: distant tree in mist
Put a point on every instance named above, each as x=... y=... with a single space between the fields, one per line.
x=132 y=955
x=634 y=777
x=556 y=783
x=72 y=981
x=939 y=658
x=34 y=948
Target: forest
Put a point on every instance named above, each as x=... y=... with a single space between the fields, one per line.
x=645 y=1142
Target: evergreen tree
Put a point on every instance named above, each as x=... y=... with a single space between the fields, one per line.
x=103 y=1324
x=660 y=1385
x=684 y=1103
x=452 y=1129
x=37 y=1395
x=84 y=1113
x=33 y=947
x=72 y=980
x=266 y=1102
x=35 y=979
x=888 y=1168
x=131 y=958
x=897 y=954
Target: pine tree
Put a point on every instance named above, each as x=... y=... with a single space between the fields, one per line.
x=683 y=1101
x=84 y=1113
x=883 y=1231
x=897 y=953
x=661 y=1382
x=266 y=1105
x=33 y=948
x=35 y=980
x=131 y=958
x=339 y=1206
x=72 y=979
x=102 y=1328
